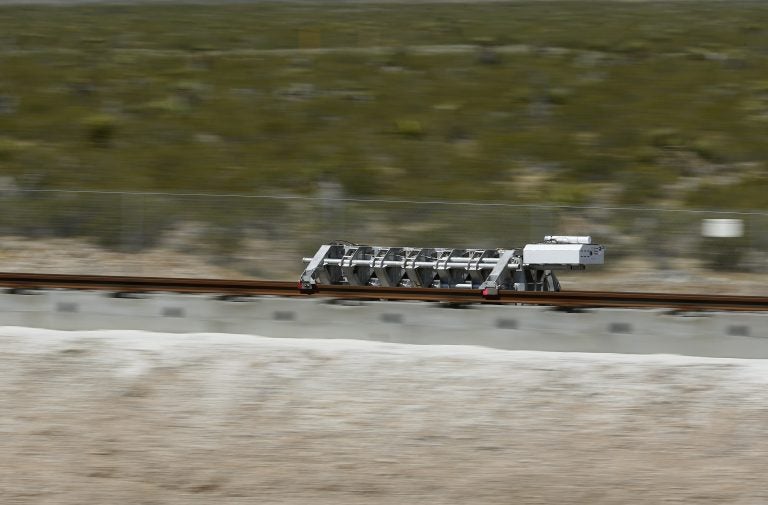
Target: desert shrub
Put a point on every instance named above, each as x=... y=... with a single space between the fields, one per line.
x=100 y=129
x=643 y=184
x=748 y=194
x=667 y=138
x=725 y=254
x=409 y=128
x=9 y=148
x=712 y=148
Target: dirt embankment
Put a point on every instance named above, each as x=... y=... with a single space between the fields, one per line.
x=140 y=418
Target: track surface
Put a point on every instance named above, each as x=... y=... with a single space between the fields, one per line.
x=224 y=287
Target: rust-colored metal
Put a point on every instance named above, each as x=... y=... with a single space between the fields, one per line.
x=226 y=287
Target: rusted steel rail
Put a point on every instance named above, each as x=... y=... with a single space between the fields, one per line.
x=225 y=287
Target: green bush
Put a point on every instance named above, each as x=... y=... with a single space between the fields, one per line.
x=410 y=128
x=100 y=130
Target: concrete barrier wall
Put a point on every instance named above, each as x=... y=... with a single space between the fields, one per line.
x=506 y=327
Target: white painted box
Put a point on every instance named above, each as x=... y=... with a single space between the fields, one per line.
x=563 y=254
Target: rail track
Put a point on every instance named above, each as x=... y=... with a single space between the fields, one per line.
x=25 y=282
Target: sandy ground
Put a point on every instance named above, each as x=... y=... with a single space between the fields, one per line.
x=119 y=417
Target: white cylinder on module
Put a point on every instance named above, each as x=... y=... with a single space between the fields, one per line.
x=568 y=239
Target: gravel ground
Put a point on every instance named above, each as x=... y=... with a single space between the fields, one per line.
x=124 y=417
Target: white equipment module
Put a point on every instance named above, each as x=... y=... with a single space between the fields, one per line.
x=557 y=250
x=527 y=269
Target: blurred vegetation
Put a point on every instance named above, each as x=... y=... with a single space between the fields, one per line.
x=652 y=103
